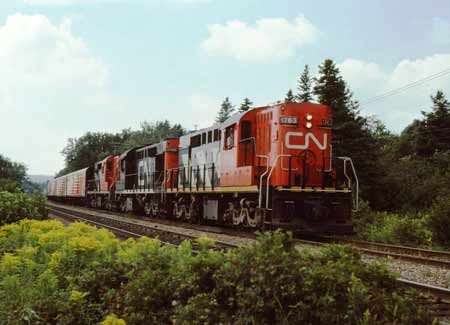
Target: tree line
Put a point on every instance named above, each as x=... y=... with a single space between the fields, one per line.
x=13 y=177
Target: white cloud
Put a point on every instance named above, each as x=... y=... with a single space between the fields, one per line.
x=367 y=79
x=361 y=75
x=49 y=80
x=36 y=54
x=269 y=38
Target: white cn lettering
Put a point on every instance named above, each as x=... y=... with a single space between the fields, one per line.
x=307 y=138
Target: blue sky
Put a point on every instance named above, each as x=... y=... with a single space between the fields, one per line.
x=72 y=66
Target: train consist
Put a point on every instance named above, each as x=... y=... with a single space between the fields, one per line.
x=268 y=167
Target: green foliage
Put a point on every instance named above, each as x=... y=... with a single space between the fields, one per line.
x=151 y=133
x=78 y=274
x=289 y=97
x=304 y=86
x=417 y=163
x=226 y=109
x=391 y=228
x=440 y=220
x=113 y=320
x=352 y=134
x=12 y=171
x=7 y=185
x=89 y=148
x=15 y=206
x=246 y=105
x=433 y=133
x=94 y=146
x=412 y=183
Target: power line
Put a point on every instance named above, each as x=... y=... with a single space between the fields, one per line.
x=405 y=87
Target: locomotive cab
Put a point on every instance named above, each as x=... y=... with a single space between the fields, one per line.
x=305 y=185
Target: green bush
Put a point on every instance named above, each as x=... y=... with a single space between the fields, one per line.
x=8 y=185
x=440 y=220
x=15 y=206
x=78 y=274
x=391 y=228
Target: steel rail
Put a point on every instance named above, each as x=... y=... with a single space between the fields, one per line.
x=139 y=229
x=442 y=293
x=428 y=252
x=419 y=255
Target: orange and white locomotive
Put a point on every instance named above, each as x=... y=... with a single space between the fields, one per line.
x=268 y=167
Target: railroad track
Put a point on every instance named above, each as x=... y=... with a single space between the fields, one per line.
x=127 y=229
x=417 y=255
x=439 y=304
x=436 y=299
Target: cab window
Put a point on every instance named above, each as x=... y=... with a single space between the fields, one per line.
x=229 y=137
x=209 y=136
x=216 y=135
x=196 y=141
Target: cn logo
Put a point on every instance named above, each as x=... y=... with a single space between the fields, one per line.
x=308 y=137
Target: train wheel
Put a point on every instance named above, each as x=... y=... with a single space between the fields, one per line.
x=123 y=205
x=235 y=214
x=252 y=218
x=155 y=210
x=147 y=208
x=179 y=209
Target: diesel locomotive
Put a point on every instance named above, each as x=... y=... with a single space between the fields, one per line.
x=269 y=167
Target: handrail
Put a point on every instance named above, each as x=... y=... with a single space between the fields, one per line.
x=348 y=159
x=261 y=179
x=254 y=142
x=208 y=167
x=270 y=174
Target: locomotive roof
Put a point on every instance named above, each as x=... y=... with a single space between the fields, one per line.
x=125 y=153
x=237 y=116
x=70 y=174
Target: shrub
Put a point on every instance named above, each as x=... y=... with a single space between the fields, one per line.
x=273 y=283
x=15 y=206
x=440 y=220
x=78 y=274
x=364 y=217
x=391 y=228
x=7 y=185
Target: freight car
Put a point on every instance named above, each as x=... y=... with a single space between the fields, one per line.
x=270 y=167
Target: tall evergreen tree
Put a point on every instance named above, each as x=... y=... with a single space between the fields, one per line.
x=304 y=86
x=226 y=109
x=352 y=135
x=289 y=96
x=433 y=134
x=246 y=105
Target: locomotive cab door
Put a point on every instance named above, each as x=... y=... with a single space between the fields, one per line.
x=246 y=152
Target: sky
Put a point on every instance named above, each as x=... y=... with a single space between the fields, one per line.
x=72 y=66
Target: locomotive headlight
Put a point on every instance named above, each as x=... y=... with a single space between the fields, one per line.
x=308 y=125
x=308 y=117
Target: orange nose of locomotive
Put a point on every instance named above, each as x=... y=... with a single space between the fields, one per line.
x=304 y=144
